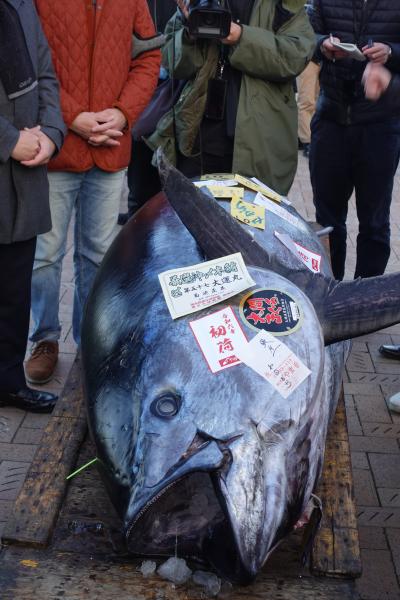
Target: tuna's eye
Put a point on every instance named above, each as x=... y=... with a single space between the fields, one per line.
x=166 y=406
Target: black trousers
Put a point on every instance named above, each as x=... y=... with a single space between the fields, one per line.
x=363 y=158
x=143 y=179
x=208 y=163
x=16 y=263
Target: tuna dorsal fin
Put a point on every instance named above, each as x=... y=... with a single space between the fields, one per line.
x=212 y=227
x=354 y=308
x=346 y=309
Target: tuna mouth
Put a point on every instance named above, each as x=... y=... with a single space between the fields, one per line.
x=187 y=519
x=183 y=481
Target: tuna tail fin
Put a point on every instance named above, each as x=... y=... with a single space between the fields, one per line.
x=354 y=308
x=212 y=227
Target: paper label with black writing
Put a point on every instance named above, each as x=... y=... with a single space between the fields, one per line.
x=255 y=187
x=189 y=289
x=248 y=213
x=232 y=193
x=279 y=211
x=274 y=361
x=216 y=183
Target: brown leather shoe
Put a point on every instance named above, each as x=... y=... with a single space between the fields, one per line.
x=39 y=368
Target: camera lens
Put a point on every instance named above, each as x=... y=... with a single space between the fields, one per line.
x=210 y=19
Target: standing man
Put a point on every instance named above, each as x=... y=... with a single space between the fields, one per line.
x=103 y=92
x=355 y=142
x=31 y=130
x=238 y=111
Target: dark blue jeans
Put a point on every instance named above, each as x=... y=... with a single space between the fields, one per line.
x=363 y=158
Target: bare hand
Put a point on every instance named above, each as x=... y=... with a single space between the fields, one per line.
x=378 y=54
x=183 y=5
x=109 y=121
x=329 y=50
x=105 y=139
x=376 y=80
x=83 y=124
x=27 y=147
x=234 y=35
x=47 y=149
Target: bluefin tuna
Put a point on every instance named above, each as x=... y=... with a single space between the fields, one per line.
x=219 y=467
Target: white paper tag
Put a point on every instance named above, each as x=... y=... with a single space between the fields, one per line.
x=189 y=289
x=276 y=209
x=216 y=183
x=312 y=260
x=284 y=199
x=275 y=362
x=220 y=337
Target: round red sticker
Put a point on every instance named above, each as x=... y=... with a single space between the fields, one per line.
x=271 y=310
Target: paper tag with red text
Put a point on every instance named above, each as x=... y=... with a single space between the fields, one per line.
x=220 y=338
x=312 y=260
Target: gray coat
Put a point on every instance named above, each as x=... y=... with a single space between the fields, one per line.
x=24 y=204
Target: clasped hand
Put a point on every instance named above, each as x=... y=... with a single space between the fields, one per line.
x=100 y=128
x=34 y=148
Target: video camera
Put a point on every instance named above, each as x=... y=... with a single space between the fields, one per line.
x=209 y=19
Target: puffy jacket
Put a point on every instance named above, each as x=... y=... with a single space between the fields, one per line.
x=393 y=93
x=273 y=49
x=91 y=44
x=342 y=96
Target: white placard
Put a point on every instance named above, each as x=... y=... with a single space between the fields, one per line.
x=216 y=183
x=220 y=337
x=312 y=260
x=189 y=289
x=276 y=209
x=274 y=361
x=284 y=199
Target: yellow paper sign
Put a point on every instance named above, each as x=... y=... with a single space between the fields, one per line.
x=258 y=188
x=226 y=192
x=248 y=213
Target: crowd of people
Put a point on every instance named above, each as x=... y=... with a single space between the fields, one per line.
x=73 y=92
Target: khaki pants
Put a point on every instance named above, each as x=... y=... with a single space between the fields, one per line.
x=308 y=91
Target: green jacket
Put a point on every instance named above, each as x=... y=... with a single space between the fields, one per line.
x=265 y=144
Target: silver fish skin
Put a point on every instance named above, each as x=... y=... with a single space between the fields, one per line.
x=231 y=472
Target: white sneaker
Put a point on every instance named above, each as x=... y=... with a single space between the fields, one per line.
x=394 y=402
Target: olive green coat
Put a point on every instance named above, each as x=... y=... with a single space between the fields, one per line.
x=265 y=143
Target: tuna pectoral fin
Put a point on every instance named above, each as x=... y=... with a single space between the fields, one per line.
x=212 y=227
x=354 y=308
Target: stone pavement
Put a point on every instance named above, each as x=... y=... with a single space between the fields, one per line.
x=374 y=431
